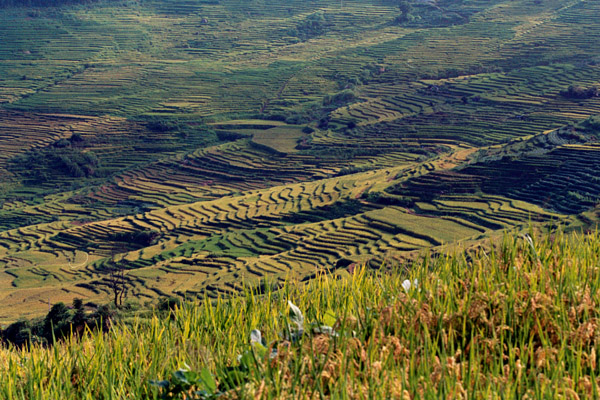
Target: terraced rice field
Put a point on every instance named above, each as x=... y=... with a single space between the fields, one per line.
x=244 y=139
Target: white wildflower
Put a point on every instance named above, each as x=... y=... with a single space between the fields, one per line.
x=407 y=284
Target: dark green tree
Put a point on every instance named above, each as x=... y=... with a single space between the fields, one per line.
x=57 y=322
x=79 y=316
x=18 y=333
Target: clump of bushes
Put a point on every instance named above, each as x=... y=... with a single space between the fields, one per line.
x=430 y=13
x=340 y=99
x=580 y=92
x=142 y=238
x=160 y=125
x=406 y=12
x=60 y=159
x=591 y=124
x=312 y=26
x=59 y=323
x=169 y=303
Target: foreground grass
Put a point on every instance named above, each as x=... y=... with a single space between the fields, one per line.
x=519 y=321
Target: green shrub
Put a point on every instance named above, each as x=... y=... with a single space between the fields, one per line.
x=57 y=322
x=340 y=99
x=579 y=92
x=44 y=165
x=169 y=303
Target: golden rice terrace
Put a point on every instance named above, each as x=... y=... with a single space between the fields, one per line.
x=201 y=146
